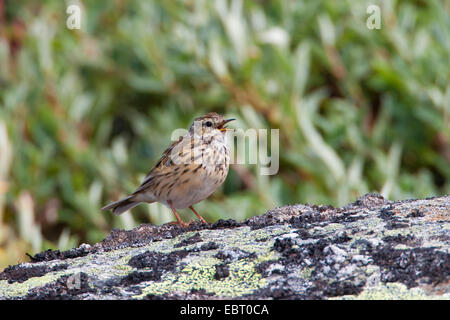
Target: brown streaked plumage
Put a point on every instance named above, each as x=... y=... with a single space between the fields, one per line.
x=189 y=171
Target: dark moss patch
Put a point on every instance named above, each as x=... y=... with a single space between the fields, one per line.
x=415 y=214
x=303 y=233
x=412 y=266
x=409 y=240
x=222 y=271
x=392 y=220
x=268 y=219
x=49 y=255
x=19 y=273
x=306 y=219
x=147 y=233
x=67 y=287
x=158 y=262
x=369 y=200
x=279 y=291
x=151 y=296
x=284 y=246
x=266 y=270
x=284 y=293
x=337 y=288
x=341 y=237
x=211 y=245
x=322 y=208
x=442 y=237
x=347 y=217
x=386 y=213
x=396 y=224
x=136 y=277
x=223 y=224
x=191 y=240
x=314 y=252
x=323 y=257
x=192 y=294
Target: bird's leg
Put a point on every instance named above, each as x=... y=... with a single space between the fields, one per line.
x=196 y=213
x=180 y=222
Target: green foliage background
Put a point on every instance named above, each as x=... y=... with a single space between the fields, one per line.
x=84 y=114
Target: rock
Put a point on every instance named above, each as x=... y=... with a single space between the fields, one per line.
x=369 y=249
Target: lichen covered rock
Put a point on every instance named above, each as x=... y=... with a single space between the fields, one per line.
x=370 y=249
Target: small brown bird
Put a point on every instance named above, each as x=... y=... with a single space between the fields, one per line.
x=189 y=171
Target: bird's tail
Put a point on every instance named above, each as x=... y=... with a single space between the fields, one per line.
x=122 y=205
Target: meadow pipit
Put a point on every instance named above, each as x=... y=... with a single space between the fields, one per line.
x=189 y=171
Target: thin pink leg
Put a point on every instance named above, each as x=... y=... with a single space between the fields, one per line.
x=180 y=222
x=196 y=213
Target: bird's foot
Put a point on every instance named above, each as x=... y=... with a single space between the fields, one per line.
x=179 y=223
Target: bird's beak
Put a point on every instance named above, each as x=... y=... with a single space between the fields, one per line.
x=224 y=122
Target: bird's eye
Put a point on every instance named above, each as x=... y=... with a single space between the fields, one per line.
x=208 y=123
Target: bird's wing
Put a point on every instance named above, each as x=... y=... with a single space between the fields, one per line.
x=172 y=156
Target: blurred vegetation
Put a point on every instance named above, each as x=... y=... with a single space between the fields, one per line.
x=84 y=114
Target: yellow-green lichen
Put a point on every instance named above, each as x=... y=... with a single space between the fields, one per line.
x=269 y=232
x=18 y=289
x=243 y=279
x=397 y=232
x=393 y=291
x=333 y=227
x=370 y=269
x=199 y=275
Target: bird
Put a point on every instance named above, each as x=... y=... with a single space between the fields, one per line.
x=189 y=171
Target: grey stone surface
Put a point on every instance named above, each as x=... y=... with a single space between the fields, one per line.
x=369 y=249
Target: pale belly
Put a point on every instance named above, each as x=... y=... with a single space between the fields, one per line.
x=200 y=189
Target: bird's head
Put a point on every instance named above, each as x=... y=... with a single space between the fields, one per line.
x=210 y=122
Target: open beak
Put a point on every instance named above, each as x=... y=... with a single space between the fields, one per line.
x=224 y=122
